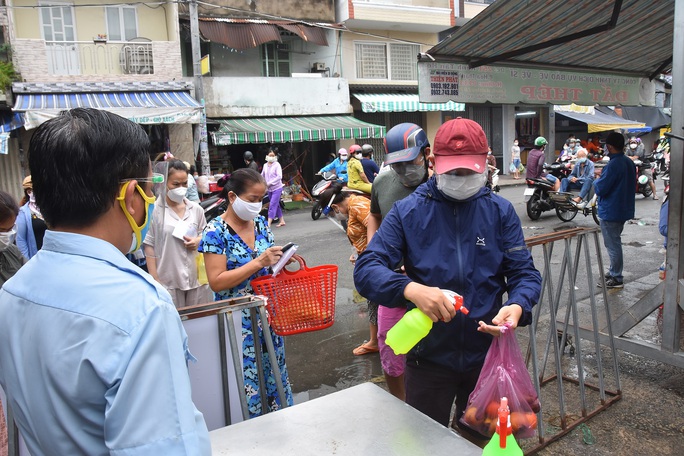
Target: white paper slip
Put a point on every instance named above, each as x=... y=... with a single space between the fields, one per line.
x=184 y=229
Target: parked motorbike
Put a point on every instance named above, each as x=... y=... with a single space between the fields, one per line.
x=642 y=185
x=495 y=181
x=659 y=157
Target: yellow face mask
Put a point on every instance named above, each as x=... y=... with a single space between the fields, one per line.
x=139 y=232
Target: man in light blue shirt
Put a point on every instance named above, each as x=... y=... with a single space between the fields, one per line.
x=93 y=356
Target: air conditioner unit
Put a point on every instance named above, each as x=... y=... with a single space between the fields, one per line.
x=319 y=66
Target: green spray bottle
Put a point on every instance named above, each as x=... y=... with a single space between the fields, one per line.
x=415 y=325
x=503 y=443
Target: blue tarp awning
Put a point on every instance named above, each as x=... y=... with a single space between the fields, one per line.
x=145 y=107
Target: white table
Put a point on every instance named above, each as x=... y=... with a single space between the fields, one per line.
x=361 y=420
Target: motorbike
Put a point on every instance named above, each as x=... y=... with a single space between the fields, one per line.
x=327 y=179
x=659 y=157
x=642 y=185
x=324 y=207
x=536 y=194
x=495 y=180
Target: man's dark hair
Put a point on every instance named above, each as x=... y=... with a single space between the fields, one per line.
x=614 y=139
x=8 y=206
x=240 y=180
x=78 y=160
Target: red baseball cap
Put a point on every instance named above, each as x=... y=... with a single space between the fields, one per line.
x=460 y=143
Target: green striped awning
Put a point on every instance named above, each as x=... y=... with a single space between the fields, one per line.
x=401 y=102
x=293 y=129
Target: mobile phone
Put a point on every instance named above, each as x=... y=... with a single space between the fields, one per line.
x=288 y=246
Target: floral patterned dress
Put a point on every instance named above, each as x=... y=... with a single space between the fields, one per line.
x=219 y=238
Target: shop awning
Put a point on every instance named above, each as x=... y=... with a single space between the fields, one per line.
x=599 y=121
x=164 y=107
x=539 y=52
x=11 y=121
x=293 y=129
x=402 y=102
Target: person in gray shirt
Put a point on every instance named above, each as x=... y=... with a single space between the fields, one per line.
x=408 y=151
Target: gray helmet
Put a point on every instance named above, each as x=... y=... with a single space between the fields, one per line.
x=366 y=150
x=248 y=156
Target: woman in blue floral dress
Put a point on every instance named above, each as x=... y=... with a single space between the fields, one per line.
x=238 y=247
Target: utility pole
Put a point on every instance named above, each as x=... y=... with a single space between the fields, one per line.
x=199 y=85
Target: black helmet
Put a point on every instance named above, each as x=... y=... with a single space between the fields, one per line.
x=248 y=156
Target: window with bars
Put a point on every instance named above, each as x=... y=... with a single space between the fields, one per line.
x=393 y=61
x=275 y=60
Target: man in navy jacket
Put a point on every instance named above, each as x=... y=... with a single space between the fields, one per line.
x=452 y=233
x=615 y=190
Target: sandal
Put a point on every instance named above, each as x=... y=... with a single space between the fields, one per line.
x=363 y=349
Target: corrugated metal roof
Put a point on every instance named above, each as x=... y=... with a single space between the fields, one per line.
x=239 y=33
x=640 y=42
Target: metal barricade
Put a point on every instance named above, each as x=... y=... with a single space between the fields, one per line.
x=558 y=302
x=223 y=310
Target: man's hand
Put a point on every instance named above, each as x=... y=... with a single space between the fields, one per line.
x=508 y=315
x=431 y=301
x=573 y=179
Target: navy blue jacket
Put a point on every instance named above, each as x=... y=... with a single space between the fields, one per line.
x=615 y=189
x=475 y=248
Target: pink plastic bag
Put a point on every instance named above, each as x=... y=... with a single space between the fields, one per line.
x=503 y=374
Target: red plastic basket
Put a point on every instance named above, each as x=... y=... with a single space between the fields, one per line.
x=299 y=301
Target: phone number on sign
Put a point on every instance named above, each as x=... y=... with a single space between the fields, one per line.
x=438 y=91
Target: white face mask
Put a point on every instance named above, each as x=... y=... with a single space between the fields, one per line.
x=177 y=194
x=632 y=146
x=515 y=143
x=32 y=197
x=460 y=188
x=271 y=159
x=343 y=157
x=7 y=239
x=244 y=210
x=358 y=156
x=341 y=217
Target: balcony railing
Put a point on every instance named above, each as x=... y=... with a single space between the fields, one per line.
x=99 y=57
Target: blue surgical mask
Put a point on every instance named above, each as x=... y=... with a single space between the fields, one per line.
x=581 y=160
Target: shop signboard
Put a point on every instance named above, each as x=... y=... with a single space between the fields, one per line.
x=439 y=82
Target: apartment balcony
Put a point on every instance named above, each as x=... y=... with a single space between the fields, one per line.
x=300 y=95
x=97 y=60
x=422 y=16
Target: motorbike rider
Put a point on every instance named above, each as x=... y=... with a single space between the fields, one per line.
x=535 y=164
x=249 y=161
x=581 y=178
x=339 y=165
x=357 y=179
x=370 y=168
x=638 y=153
x=569 y=150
